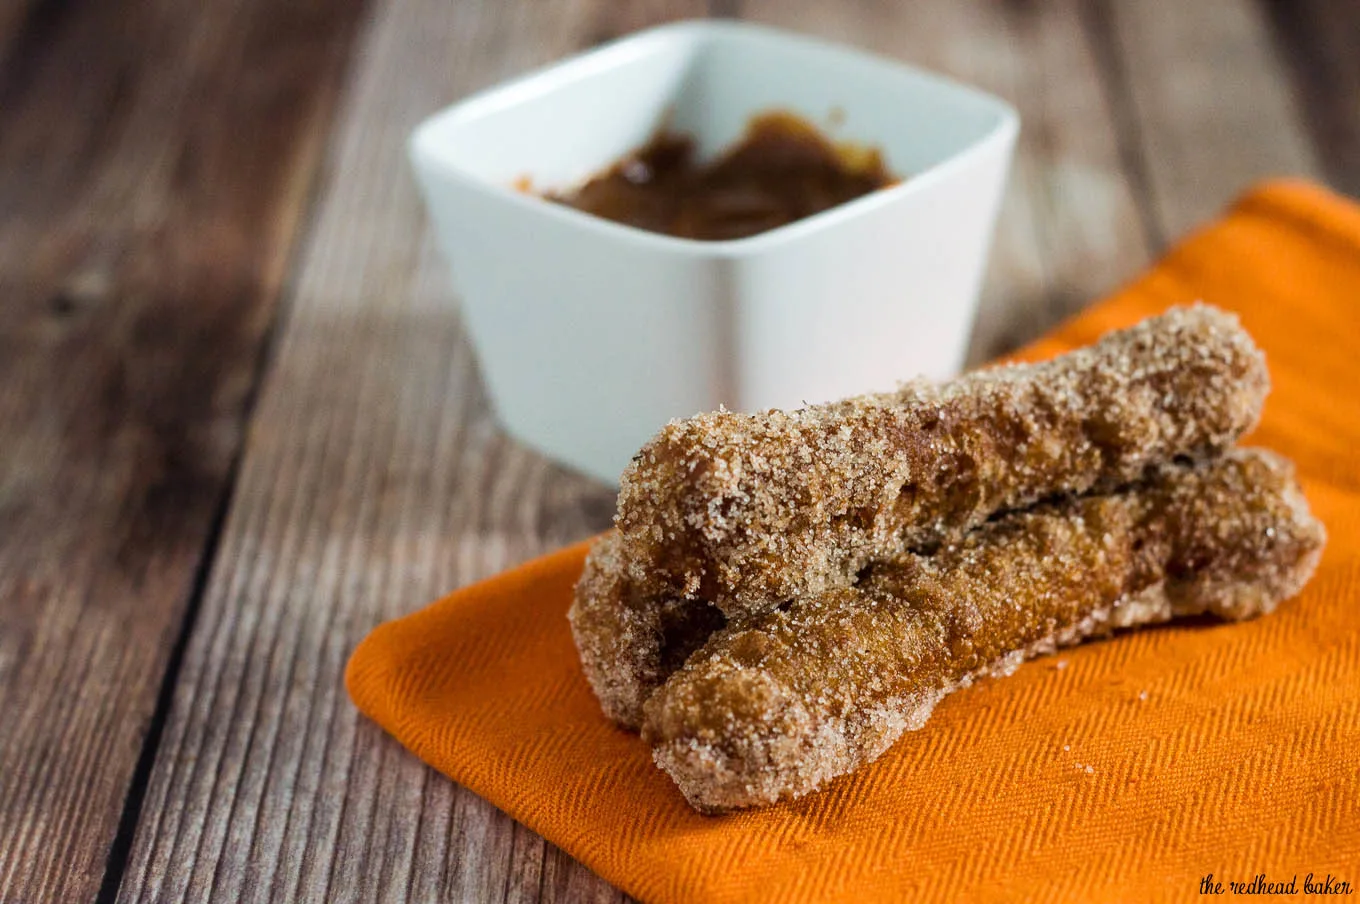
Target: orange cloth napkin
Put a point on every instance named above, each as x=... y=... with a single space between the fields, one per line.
x=1122 y=770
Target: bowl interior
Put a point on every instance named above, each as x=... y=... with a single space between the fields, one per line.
x=558 y=126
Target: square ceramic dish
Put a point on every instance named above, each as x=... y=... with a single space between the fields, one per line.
x=591 y=335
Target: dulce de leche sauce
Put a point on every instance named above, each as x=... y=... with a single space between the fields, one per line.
x=781 y=170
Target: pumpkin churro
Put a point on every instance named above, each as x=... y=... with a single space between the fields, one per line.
x=778 y=705
x=749 y=511
x=788 y=593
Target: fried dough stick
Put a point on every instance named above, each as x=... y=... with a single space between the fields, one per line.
x=629 y=642
x=779 y=706
x=748 y=511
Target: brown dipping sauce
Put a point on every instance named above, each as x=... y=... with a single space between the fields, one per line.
x=781 y=170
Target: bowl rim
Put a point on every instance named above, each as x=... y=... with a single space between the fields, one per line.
x=423 y=148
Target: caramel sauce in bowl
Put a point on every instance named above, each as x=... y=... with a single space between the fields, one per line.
x=780 y=170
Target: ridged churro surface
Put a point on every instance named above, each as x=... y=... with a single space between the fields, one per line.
x=777 y=706
x=748 y=511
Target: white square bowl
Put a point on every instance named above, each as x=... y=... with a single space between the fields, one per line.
x=591 y=335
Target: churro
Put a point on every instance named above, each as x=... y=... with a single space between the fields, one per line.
x=749 y=511
x=629 y=642
x=779 y=705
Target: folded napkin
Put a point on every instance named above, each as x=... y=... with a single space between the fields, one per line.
x=1127 y=769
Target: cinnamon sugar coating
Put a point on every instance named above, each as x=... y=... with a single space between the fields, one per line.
x=630 y=642
x=779 y=705
x=748 y=511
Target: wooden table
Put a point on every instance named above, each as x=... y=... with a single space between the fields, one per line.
x=240 y=423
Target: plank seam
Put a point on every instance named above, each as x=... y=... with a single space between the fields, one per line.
x=1317 y=86
x=115 y=865
x=120 y=852
x=1098 y=23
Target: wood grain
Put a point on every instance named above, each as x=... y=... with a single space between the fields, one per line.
x=1209 y=105
x=1320 y=43
x=373 y=481
x=142 y=244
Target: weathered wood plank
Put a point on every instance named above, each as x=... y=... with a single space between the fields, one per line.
x=154 y=161
x=1320 y=43
x=1210 y=102
x=1069 y=229
x=373 y=480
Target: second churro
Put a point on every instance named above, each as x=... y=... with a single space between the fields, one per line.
x=778 y=706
